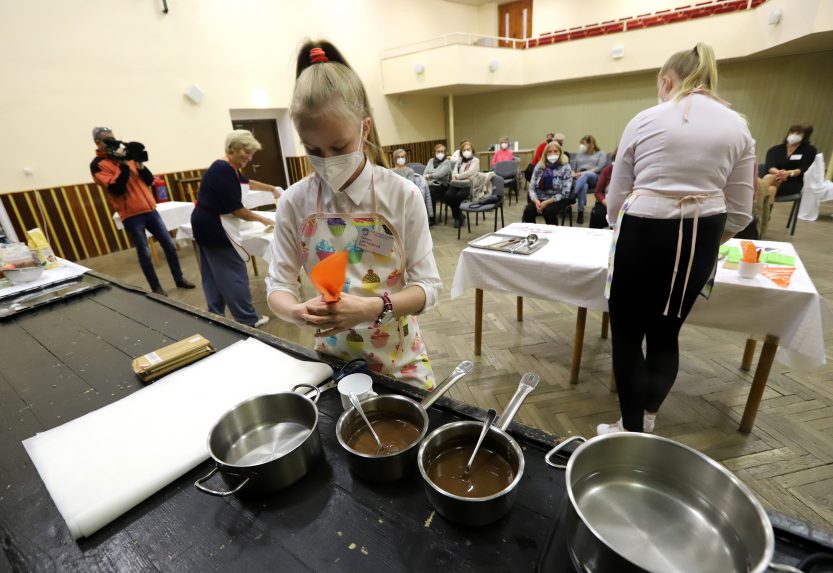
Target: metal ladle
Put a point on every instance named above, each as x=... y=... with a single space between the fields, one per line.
x=357 y=405
x=487 y=423
x=530 y=240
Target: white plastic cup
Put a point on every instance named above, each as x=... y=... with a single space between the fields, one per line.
x=749 y=270
x=359 y=384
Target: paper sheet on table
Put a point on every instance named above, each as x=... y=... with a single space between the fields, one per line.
x=100 y=465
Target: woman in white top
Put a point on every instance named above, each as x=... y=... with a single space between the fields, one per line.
x=353 y=203
x=681 y=186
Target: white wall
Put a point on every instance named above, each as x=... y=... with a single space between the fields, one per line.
x=69 y=65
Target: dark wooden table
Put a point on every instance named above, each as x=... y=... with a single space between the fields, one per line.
x=64 y=360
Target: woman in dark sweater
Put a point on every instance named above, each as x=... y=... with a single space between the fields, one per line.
x=787 y=162
x=225 y=279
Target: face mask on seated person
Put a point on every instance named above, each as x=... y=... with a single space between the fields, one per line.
x=504 y=145
x=582 y=148
x=400 y=161
x=467 y=154
x=794 y=138
x=553 y=157
x=440 y=156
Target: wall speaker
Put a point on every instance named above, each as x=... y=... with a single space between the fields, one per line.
x=194 y=93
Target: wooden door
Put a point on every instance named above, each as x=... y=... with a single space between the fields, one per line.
x=514 y=21
x=267 y=165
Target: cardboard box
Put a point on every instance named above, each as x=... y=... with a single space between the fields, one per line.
x=158 y=363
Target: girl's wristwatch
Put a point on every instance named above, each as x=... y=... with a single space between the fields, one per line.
x=387 y=311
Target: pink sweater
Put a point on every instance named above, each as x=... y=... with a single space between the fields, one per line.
x=502 y=155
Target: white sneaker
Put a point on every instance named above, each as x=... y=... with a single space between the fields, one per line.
x=261 y=321
x=614 y=428
x=648 y=421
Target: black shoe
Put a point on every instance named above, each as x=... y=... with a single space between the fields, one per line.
x=580 y=218
x=159 y=290
x=185 y=283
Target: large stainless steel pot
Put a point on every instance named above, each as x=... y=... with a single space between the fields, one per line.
x=264 y=443
x=477 y=510
x=642 y=503
x=392 y=466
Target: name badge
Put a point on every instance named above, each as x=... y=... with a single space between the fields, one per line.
x=796 y=157
x=375 y=242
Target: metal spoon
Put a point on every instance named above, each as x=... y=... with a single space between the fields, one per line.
x=357 y=405
x=487 y=423
x=530 y=240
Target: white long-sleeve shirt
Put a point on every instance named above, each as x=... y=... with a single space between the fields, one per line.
x=660 y=151
x=397 y=199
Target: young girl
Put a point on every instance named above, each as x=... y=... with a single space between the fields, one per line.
x=353 y=203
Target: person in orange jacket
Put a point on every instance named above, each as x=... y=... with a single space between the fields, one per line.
x=127 y=188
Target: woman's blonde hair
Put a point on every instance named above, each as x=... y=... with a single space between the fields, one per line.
x=591 y=140
x=241 y=139
x=440 y=146
x=464 y=143
x=326 y=79
x=553 y=146
x=696 y=68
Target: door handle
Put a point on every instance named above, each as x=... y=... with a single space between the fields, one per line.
x=254 y=167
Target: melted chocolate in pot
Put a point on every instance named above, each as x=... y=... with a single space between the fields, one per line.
x=490 y=472
x=396 y=435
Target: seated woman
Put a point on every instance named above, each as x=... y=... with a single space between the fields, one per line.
x=549 y=189
x=787 y=162
x=598 y=216
x=466 y=169
x=438 y=175
x=587 y=164
x=400 y=159
x=502 y=153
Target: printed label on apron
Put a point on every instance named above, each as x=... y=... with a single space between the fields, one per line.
x=375 y=242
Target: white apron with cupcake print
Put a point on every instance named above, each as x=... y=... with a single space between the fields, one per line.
x=396 y=348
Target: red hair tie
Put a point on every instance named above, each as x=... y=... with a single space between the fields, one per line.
x=318 y=56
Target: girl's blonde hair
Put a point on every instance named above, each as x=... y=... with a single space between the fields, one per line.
x=553 y=146
x=696 y=68
x=330 y=81
x=241 y=139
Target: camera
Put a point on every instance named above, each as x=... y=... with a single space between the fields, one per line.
x=130 y=151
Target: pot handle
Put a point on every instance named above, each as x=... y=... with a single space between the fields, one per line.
x=353 y=367
x=529 y=381
x=465 y=367
x=316 y=388
x=209 y=491
x=558 y=448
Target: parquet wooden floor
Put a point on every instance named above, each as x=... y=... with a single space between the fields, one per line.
x=788 y=458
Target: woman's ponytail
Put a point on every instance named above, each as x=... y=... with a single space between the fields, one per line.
x=324 y=78
x=696 y=68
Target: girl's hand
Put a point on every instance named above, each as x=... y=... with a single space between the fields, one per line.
x=350 y=310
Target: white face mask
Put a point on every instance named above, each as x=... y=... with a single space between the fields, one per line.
x=504 y=145
x=794 y=138
x=337 y=170
x=467 y=154
x=400 y=161
x=440 y=156
x=582 y=148
x=553 y=157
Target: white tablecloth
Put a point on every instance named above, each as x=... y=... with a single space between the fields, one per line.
x=572 y=268
x=254 y=237
x=65 y=272
x=174 y=214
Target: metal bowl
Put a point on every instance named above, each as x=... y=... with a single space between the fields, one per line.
x=24 y=274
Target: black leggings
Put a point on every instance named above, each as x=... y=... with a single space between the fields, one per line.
x=644 y=262
x=437 y=194
x=550 y=212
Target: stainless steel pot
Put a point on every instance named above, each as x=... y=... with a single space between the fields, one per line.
x=392 y=466
x=265 y=443
x=477 y=510
x=642 y=503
